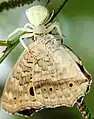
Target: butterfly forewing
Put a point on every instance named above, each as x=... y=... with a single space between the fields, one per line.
x=18 y=92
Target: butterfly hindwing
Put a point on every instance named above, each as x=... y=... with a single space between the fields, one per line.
x=58 y=81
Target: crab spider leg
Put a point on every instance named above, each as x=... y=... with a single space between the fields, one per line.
x=50 y=18
x=20 y=29
x=28 y=25
x=52 y=26
x=28 y=35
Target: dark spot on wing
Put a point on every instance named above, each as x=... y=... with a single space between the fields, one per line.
x=50 y=89
x=88 y=88
x=70 y=84
x=32 y=91
x=80 y=99
x=27 y=112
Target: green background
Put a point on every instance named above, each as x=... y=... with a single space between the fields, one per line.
x=77 y=24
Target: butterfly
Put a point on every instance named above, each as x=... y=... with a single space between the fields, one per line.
x=49 y=75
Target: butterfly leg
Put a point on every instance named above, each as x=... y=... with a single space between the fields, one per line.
x=83 y=109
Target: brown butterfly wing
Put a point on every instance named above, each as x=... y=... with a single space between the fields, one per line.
x=57 y=79
x=78 y=61
x=47 y=77
x=18 y=93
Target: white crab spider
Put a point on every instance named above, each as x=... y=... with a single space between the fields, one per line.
x=38 y=16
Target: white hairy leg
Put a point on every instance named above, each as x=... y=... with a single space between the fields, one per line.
x=20 y=29
x=52 y=26
x=27 y=35
x=47 y=22
x=28 y=25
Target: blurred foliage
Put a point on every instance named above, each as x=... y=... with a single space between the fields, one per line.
x=77 y=24
x=11 y=4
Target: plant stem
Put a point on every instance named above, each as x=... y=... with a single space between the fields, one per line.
x=3 y=43
x=7 y=52
x=11 y=44
x=56 y=11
